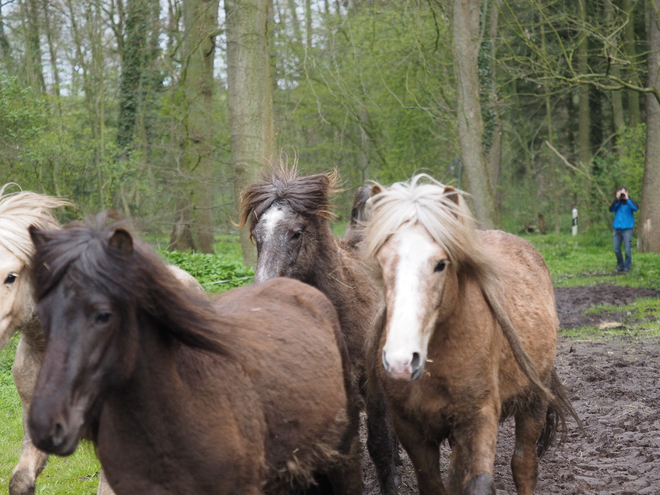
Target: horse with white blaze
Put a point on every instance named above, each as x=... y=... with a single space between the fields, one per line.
x=466 y=338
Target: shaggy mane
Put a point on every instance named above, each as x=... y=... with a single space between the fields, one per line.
x=18 y=211
x=442 y=212
x=81 y=252
x=306 y=195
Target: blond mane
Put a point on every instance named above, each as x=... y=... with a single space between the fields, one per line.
x=442 y=211
x=18 y=211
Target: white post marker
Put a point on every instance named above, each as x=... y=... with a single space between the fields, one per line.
x=575 y=221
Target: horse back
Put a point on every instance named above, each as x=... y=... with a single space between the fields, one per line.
x=296 y=360
x=528 y=298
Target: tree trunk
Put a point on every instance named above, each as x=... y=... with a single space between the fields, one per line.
x=629 y=46
x=584 y=123
x=33 y=62
x=649 y=236
x=470 y=124
x=249 y=98
x=494 y=154
x=308 y=24
x=5 y=47
x=617 y=102
x=200 y=18
x=134 y=48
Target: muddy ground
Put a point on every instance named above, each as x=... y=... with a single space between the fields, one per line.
x=615 y=388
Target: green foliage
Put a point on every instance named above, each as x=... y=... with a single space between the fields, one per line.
x=216 y=273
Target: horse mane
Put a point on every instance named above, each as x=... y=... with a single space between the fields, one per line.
x=139 y=277
x=442 y=212
x=280 y=182
x=18 y=211
x=446 y=217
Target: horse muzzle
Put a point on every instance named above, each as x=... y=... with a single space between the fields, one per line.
x=403 y=366
x=54 y=434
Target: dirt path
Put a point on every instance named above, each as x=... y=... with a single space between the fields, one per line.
x=615 y=389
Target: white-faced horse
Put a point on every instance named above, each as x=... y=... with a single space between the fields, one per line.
x=17 y=313
x=467 y=337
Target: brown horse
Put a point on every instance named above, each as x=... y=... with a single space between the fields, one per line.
x=247 y=395
x=467 y=338
x=17 y=312
x=288 y=218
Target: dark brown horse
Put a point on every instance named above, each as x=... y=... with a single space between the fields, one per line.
x=245 y=395
x=288 y=218
x=467 y=338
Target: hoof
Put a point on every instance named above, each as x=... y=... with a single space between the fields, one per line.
x=21 y=483
x=481 y=484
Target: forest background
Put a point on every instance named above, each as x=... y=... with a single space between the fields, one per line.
x=166 y=109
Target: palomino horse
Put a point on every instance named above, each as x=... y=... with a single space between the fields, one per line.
x=17 y=212
x=467 y=337
x=248 y=395
x=288 y=218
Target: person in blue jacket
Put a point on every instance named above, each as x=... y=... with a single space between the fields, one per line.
x=623 y=208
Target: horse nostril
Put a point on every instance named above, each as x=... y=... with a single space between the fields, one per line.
x=415 y=360
x=58 y=434
x=385 y=363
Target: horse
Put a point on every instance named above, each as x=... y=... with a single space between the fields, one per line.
x=360 y=213
x=248 y=395
x=288 y=217
x=17 y=313
x=466 y=338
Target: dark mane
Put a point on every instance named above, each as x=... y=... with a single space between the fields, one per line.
x=140 y=278
x=307 y=195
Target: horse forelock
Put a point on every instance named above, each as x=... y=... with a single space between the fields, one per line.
x=448 y=221
x=82 y=253
x=280 y=183
x=20 y=210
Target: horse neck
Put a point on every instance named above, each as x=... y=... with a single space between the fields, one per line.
x=165 y=372
x=328 y=274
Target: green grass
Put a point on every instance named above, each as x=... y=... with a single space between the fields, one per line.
x=77 y=474
x=588 y=259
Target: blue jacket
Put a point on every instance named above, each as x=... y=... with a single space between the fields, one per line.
x=623 y=214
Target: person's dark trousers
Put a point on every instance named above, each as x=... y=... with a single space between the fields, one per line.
x=623 y=236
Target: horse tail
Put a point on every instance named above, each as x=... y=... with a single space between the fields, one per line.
x=556 y=416
x=519 y=353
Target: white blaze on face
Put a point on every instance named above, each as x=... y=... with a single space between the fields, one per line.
x=268 y=222
x=413 y=253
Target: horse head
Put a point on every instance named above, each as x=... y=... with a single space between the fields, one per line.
x=100 y=292
x=17 y=212
x=89 y=328
x=419 y=240
x=288 y=219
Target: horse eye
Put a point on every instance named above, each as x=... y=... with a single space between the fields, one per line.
x=440 y=266
x=11 y=278
x=297 y=235
x=102 y=318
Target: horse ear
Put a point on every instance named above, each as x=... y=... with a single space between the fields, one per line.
x=376 y=189
x=39 y=237
x=451 y=194
x=122 y=241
